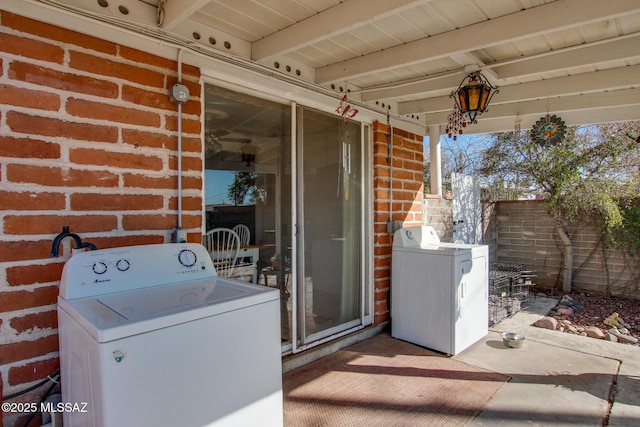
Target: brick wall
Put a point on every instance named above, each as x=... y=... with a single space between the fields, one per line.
x=88 y=139
x=406 y=206
x=523 y=232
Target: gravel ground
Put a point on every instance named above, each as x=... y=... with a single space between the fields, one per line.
x=597 y=308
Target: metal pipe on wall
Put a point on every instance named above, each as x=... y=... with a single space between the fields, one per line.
x=180 y=93
x=435 y=156
x=390 y=160
x=180 y=143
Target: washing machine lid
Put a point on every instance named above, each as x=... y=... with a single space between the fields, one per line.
x=463 y=245
x=150 y=303
x=425 y=238
x=110 y=317
x=434 y=250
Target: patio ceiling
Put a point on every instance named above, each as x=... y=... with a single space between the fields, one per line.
x=579 y=59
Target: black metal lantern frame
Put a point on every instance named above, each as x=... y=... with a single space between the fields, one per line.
x=473 y=95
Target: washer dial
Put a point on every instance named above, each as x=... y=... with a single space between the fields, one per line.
x=187 y=257
x=123 y=265
x=99 y=267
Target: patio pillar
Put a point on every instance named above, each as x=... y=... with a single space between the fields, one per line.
x=435 y=159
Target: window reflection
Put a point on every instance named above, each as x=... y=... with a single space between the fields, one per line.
x=248 y=181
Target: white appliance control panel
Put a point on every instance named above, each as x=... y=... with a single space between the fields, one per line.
x=112 y=270
x=417 y=236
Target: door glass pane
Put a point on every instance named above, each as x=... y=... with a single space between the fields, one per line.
x=331 y=194
x=248 y=181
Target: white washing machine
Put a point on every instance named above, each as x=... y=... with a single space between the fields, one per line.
x=151 y=336
x=439 y=291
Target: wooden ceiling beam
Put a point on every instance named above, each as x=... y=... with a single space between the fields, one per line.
x=338 y=19
x=553 y=16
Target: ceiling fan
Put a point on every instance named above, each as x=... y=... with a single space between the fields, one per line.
x=215 y=139
x=247 y=149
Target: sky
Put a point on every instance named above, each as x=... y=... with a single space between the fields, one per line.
x=462 y=141
x=216 y=184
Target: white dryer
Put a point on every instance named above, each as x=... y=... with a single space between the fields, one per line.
x=151 y=336
x=439 y=291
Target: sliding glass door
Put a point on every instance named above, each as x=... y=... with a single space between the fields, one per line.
x=294 y=177
x=247 y=157
x=330 y=214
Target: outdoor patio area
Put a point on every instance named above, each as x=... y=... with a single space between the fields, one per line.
x=554 y=379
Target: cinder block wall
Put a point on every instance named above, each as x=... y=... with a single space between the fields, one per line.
x=489 y=228
x=88 y=139
x=523 y=232
x=405 y=167
x=438 y=214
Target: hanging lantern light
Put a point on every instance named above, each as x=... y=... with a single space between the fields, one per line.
x=248 y=152
x=473 y=95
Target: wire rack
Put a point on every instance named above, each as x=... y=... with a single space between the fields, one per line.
x=509 y=285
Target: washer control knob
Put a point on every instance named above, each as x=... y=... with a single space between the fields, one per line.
x=187 y=257
x=123 y=265
x=99 y=267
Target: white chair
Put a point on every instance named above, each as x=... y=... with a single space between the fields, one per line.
x=243 y=232
x=223 y=245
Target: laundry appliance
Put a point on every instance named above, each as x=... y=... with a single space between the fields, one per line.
x=439 y=291
x=151 y=336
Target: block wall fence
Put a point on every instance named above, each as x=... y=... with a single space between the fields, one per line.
x=523 y=232
x=88 y=139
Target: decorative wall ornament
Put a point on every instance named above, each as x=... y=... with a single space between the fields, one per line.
x=455 y=123
x=549 y=130
x=345 y=110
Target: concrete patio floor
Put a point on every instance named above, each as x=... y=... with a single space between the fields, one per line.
x=557 y=379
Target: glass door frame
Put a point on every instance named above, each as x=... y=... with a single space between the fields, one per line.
x=267 y=91
x=298 y=343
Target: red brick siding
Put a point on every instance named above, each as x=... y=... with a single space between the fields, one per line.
x=88 y=139
x=406 y=206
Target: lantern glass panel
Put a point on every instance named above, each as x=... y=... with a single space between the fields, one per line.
x=474 y=89
x=462 y=97
x=485 y=97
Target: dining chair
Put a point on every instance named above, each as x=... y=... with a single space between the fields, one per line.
x=243 y=232
x=223 y=245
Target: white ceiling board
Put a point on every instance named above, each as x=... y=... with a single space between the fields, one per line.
x=610 y=50
x=569 y=85
x=426 y=86
x=176 y=11
x=571 y=118
x=338 y=19
x=561 y=106
x=226 y=19
x=560 y=14
x=407 y=54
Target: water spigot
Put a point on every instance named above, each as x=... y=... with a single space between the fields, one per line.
x=66 y=233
